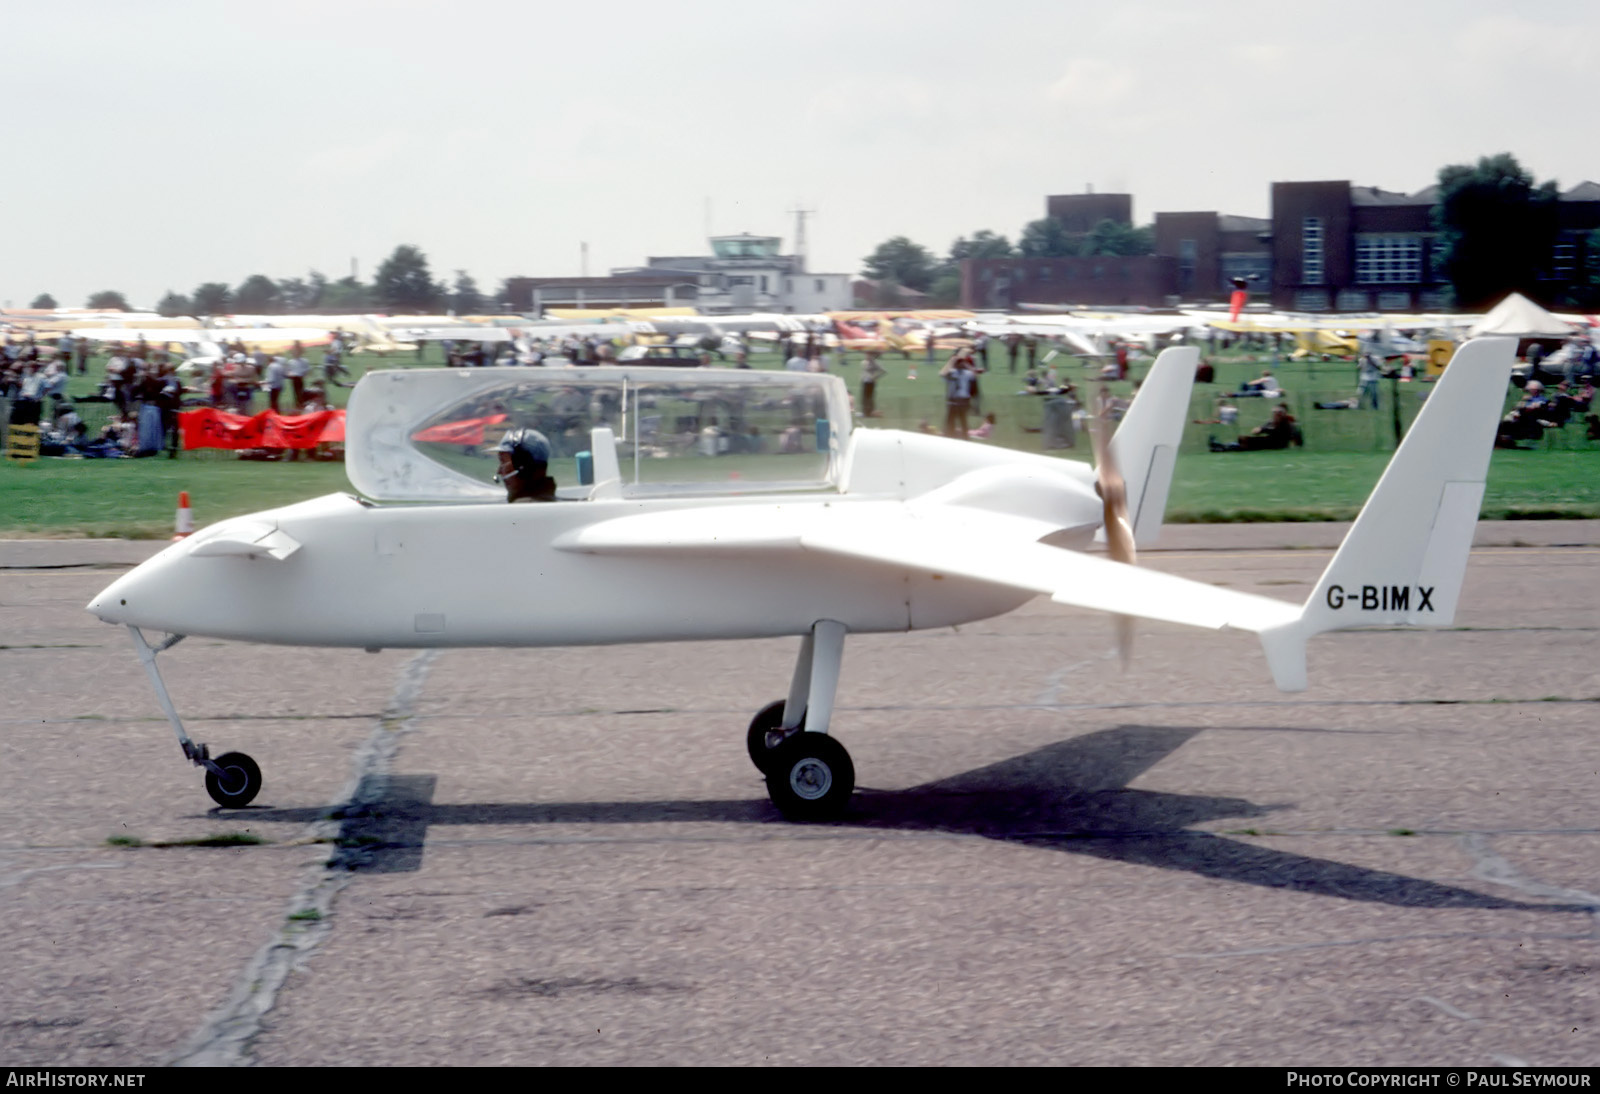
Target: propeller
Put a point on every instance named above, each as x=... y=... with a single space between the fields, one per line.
x=1118 y=529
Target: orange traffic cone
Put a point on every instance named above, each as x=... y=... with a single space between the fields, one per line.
x=185 y=522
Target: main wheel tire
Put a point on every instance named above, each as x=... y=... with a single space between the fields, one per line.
x=811 y=777
x=240 y=781
x=766 y=734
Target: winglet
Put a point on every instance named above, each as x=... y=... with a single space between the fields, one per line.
x=1403 y=560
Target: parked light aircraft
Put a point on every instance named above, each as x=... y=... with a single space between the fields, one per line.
x=826 y=531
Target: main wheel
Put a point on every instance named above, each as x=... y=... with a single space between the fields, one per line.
x=239 y=783
x=766 y=734
x=810 y=777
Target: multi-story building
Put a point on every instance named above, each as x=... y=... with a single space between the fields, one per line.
x=532 y=295
x=1339 y=247
x=1079 y=213
x=746 y=273
x=1002 y=284
x=1577 y=216
x=1091 y=280
x=1344 y=248
x=1211 y=249
x=743 y=273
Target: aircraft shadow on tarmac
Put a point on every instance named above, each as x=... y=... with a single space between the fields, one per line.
x=1070 y=796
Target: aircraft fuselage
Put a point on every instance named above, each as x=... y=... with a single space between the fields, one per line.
x=490 y=575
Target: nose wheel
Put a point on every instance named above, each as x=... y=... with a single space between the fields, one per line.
x=233 y=780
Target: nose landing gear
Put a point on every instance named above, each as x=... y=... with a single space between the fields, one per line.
x=232 y=779
x=237 y=783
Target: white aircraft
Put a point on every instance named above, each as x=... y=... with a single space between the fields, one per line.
x=730 y=504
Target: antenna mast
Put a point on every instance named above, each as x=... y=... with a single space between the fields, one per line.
x=800 y=236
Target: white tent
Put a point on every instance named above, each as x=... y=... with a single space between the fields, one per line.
x=1520 y=317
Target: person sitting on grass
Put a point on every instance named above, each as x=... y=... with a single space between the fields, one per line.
x=1264 y=386
x=1278 y=432
x=1527 y=420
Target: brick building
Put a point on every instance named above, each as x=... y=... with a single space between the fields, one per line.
x=1095 y=280
x=1211 y=249
x=1114 y=280
x=1079 y=213
x=1339 y=247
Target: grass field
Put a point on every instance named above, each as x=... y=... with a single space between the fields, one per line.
x=1328 y=479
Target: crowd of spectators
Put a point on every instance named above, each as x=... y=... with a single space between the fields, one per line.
x=141 y=383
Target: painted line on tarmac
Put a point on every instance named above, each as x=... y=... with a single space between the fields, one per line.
x=225 y=1038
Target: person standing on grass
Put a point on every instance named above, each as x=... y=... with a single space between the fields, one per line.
x=274 y=381
x=960 y=383
x=169 y=399
x=1367 y=380
x=246 y=378
x=870 y=372
x=296 y=371
x=332 y=368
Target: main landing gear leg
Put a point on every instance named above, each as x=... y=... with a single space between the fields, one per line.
x=232 y=779
x=809 y=774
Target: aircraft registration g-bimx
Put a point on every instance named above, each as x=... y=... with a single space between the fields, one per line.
x=729 y=504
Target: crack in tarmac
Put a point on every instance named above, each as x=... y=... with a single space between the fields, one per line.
x=1489 y=865
x=225 y=1038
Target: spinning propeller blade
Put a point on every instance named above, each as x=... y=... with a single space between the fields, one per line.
x=1118 y=529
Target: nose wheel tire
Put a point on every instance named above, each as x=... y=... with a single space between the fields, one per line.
x=811 y=777
x=767 y=733
x=239 y=782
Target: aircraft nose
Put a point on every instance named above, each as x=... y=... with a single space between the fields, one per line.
x=111 y=603
x=107 y=606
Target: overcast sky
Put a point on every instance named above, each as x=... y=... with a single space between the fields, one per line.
x=155 y=145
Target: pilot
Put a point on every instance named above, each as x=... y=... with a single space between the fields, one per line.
x=524 y=457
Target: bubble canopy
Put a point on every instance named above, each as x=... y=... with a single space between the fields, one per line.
x=430 y=434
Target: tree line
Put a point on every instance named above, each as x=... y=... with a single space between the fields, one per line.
x=899 y=261
x=402 y=283
x=1497 y=232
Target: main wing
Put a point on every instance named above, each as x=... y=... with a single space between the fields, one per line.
x=979 y=545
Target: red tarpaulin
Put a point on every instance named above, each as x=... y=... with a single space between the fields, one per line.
x=212 y=428
x=465 y=431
